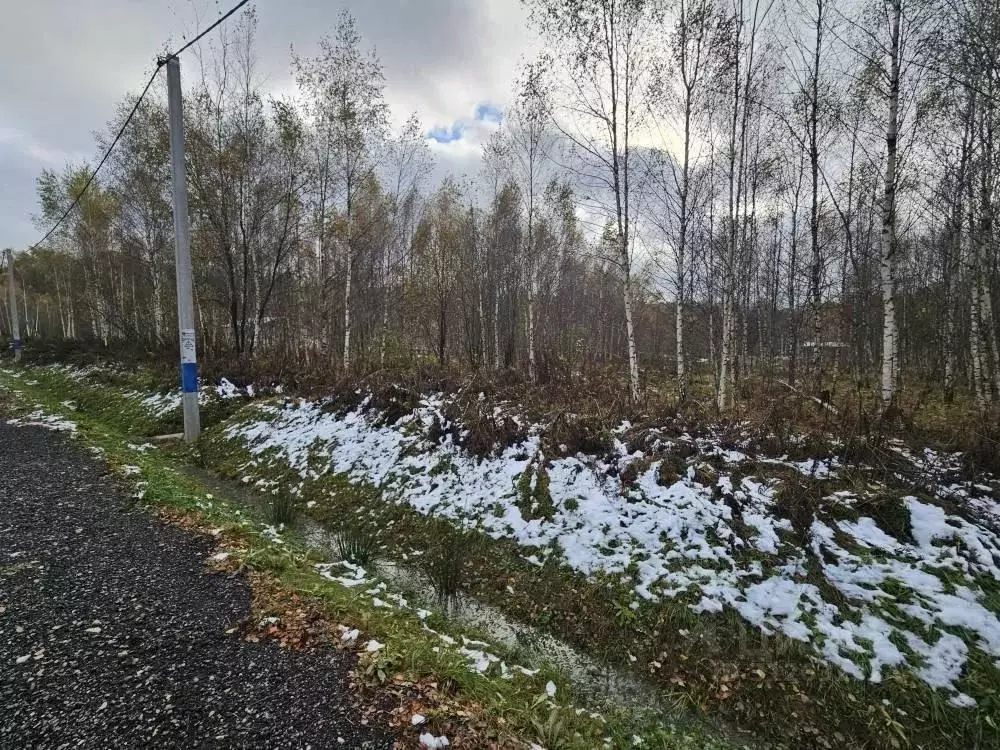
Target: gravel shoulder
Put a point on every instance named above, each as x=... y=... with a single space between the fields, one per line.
x=113 y=632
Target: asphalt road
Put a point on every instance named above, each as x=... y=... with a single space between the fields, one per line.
x=112 y=633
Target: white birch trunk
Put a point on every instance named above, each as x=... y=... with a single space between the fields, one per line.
x=888 y=260
x=255 y=286
x=949 y=313
x=71 y=312
x=949 y=348
x=484 y=356
x=496 y=328
x=711 y=339
x=59 y=307
x=682 y=237
x=989 y=334
x=976 y=347
x=532 y=372
x=633 y=360
x=347 y=309
x=681 y=373
x=888 y=383
x=725 y=353
x=383 y=336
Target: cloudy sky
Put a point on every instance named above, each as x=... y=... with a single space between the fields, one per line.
x=64 y=65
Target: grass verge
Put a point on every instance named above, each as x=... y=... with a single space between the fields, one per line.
x=480 y=710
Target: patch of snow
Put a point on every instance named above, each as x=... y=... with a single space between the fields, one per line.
x=161 y=404
x=961 y=700
x=428 y=740
x=350 y=636
x=687 y=538
x=226 y=389
x=39 y=418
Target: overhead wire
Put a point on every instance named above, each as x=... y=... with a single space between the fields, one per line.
x=121 y=131
x=209 y=30
x=93 y=175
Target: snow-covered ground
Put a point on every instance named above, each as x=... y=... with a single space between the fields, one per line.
x=913 y=603
x=161 y=404
x=40 y=418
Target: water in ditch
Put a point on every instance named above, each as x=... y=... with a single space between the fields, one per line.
x=597 y=685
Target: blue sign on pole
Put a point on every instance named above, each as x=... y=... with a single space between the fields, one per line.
x=189 y=377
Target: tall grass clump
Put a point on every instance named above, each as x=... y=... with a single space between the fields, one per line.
x=448 y=552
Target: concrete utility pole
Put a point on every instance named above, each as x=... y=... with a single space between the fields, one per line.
x=185 y=301
x=15 y=324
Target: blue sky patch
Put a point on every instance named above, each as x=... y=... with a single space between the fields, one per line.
x=487 y=112
x=446 y=135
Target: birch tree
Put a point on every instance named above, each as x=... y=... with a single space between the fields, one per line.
x=601 y=48
x=141 y=183
x=497 y=163
x=407 y=166
x=887 y=263
x=680 y=83
x=742 y=72
x=246 y=170
x=809 y=55
x=896 y=40
x=531 y=141
x=346 y=86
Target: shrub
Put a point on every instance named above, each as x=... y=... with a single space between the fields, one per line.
x=357 y=543
x=444 y=564
x=281 y=510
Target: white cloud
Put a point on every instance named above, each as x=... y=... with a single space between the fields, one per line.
x=68 y=65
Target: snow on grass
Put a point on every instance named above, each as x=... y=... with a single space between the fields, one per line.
x=162 y=404
x=159 y=405
x=227 y=389
x=39 y=418
x=433 y=742
x=477 y=658
x=910 y=604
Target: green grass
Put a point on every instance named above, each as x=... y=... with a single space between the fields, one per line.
x=281 y=509
x=357 y=542
x=446 y=558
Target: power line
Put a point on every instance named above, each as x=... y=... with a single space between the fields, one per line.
x=159 y=64
x=107 y=153
x=210 y=29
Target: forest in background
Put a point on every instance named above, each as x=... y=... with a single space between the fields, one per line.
x=686 y=189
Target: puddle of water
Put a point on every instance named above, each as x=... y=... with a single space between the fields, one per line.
x=599 y=685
